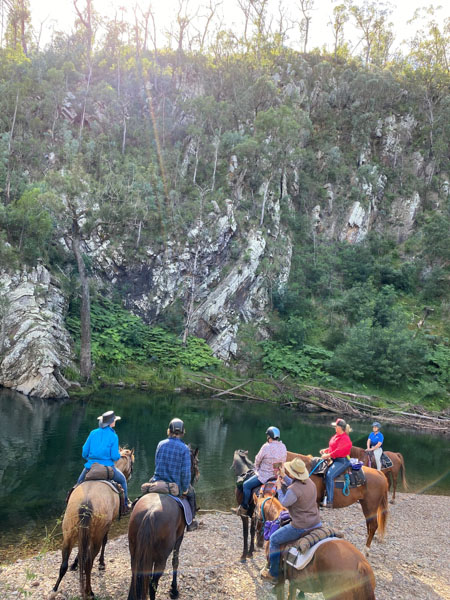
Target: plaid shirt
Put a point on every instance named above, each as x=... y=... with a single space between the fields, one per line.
x=173 y=463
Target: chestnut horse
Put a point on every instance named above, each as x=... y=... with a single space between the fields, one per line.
x=372 y=497
x=338 y=569
x=156 y=528
x=241 y=465
x=92 y=507
x=398 y=464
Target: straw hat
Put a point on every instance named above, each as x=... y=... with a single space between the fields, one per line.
x=296 y=469
x=107 y=418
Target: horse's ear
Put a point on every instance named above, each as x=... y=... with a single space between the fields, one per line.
x=132 y=451
x=196 y=452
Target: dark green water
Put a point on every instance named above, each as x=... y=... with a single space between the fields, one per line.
x=40 y=444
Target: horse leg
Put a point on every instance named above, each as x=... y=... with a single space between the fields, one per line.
x=371 y=523
x=64 y=564
x=394 y=486
x=74 y=565
x=279 y=591
x=252 y=537
x=101 y=560
x=154 y=585
x=175 y=560
x=245 y=535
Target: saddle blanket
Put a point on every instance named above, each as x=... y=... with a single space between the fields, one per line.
x=357 y=478
x=185 y=506
x=116 y=487
x=300 y=560
x=386 y=462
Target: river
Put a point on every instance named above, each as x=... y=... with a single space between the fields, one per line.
x=41 y=440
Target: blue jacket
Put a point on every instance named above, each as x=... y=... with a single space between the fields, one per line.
x=101 y=446
x=173 y=463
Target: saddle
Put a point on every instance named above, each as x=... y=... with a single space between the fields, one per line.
x=355 y=479
x=98 y=471
x=160 y=487
x=241 y=478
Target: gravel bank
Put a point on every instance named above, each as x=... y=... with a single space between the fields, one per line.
x=413 y=562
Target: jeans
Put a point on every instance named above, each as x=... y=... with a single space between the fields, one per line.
x=248 y=486
x=287 y=533
x=190 y=497
x=119 y=477
x=339 y=465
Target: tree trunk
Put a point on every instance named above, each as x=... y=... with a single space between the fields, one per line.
x=85 y=350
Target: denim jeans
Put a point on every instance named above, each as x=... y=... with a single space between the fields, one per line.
x=339 y=465
x=119 y=477
x=248 y=486
x=287 y=533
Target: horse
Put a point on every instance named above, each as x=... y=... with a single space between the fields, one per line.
x=92 y=507
x=372 y=497
x=392 y=473
x=156 y=528
x=337 y=569
x=241 y=465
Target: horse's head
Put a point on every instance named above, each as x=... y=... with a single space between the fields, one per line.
x=241 y=462
x=267 y=508
x=195 y=473
x=126 y=462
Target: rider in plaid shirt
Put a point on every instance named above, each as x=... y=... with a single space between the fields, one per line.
x=173 y=464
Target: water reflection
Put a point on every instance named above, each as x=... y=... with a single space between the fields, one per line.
x=40 y=443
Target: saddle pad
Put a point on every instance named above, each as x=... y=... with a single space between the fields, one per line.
x=300 y=560
x=357 y=478
x=185 y=506
x=386 y=462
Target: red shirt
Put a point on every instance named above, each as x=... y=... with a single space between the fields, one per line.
x=339 y=446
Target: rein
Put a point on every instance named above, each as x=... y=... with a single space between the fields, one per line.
x=262 y=508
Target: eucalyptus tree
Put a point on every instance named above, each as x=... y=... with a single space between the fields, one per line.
x=371 y=19
x=71 y=200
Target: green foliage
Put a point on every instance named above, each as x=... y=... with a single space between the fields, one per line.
x=119 y=337
x=305 y=363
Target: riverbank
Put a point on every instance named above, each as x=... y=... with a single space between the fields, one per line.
x=413 y=561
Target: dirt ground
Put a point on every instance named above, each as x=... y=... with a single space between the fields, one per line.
x=412 y=562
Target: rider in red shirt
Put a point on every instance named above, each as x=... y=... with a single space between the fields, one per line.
x=338 y=449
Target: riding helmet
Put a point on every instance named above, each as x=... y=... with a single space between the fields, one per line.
x=176 y=426
x=273 y=432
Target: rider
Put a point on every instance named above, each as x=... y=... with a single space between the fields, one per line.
x=272 y=452
x=375 y=443
x=173 y=465
x=102 y=446
x=338 y=449
x=299 y=495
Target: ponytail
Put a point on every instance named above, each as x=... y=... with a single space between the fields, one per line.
x=348 y=429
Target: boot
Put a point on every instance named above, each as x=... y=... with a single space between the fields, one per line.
x=193 y=526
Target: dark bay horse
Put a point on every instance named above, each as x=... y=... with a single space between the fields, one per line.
x=338 y=569
x=92 y=507
x=372 y=497
x=156 y=529
x=241 y=465
x=392 y=473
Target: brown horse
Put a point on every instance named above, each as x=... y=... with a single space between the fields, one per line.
x=156 y=528
x=92 y=507
x=241 y=465
x=338 y=569
x=372 y=497
x=392 y=473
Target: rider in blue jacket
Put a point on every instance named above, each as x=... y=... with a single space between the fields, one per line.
x=102 y=446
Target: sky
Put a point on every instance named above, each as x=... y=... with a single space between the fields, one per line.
x=60 y=15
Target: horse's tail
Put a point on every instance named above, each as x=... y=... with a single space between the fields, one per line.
x=142 y=561
x=366 y=591
x=382 y=514
x=84 y=547
x=403 y=470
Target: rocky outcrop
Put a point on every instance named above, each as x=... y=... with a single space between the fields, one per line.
x=34 y=344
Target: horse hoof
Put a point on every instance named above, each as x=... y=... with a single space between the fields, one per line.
x=174 y=594
x=391 y=501
x=243 y=559
x=101 y=567
x=366 y=551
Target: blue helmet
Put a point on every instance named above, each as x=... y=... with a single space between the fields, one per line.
x=376 y=424
x=273 y=432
